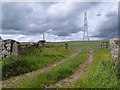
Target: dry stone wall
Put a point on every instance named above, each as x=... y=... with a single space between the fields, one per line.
x=1 y=48
x=115 y=50
x=9 y=47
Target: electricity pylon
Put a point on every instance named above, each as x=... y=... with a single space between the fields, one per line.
x=85 y=34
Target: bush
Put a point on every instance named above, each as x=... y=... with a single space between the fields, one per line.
x=13 y=67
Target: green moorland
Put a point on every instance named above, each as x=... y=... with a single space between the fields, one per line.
x=100 y=74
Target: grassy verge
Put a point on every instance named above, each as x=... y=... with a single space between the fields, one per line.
x=102 y=74
x=55 y=74
x=13 y=66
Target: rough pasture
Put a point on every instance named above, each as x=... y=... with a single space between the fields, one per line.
x=55 y=64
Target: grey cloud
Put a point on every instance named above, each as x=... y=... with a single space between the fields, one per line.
x=19 y=17
x=109 y=28
x=66 y=28
x=14 y=16
x=12 y=32
x=98 y=15
x=111 y=14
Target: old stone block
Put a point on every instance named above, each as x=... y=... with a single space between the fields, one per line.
x=15 y=49
x=114 y=50
x=8 y=47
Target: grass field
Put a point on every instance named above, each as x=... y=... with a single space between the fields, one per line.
x=99 y=74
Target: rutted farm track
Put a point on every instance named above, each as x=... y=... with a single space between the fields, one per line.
x=69 y=81
x=16 y=80
x=62 y=83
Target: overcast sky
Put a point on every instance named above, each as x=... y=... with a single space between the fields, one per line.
x=59 y=21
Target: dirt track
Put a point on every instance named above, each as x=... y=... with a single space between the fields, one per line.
x=69 y=81
x=14 y=81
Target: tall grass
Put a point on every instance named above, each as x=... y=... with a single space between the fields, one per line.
x=101 y=74
x=40 y=57
x=27 y=62
x=55 y=74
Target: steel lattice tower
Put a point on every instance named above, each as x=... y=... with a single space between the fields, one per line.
x=85 y=34
x=43 y=36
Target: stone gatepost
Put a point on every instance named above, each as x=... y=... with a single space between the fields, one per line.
x=15 y=49
x=114 y=50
